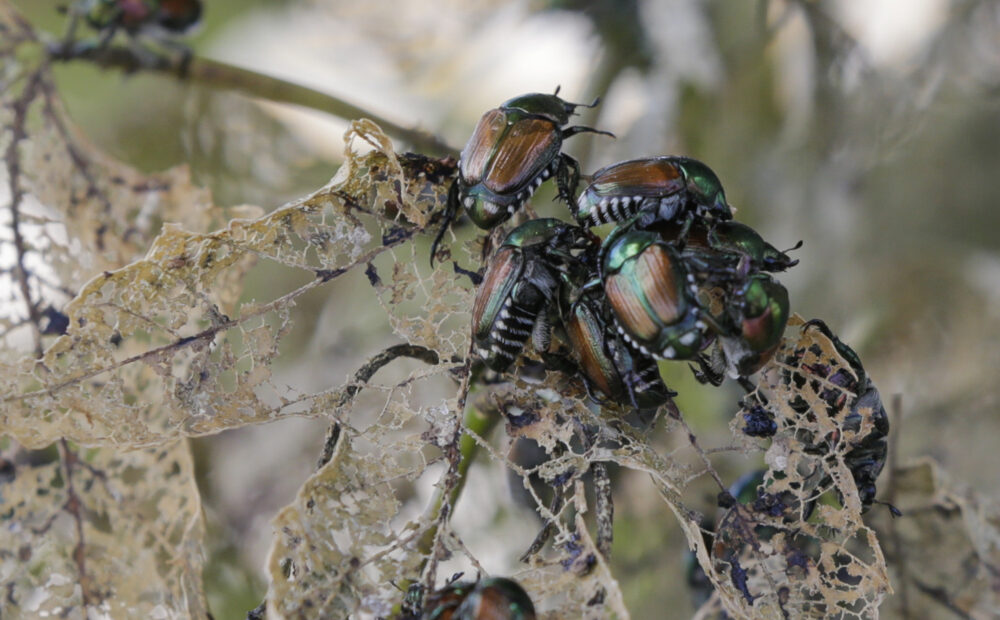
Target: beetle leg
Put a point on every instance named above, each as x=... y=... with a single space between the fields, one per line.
x=590 y=392
x=560 y=362
x=449 y=214
x=704 y=373
x=685 y=229
x=567 y=178
x=541 y=333
x=69 y=38
x=105 y=40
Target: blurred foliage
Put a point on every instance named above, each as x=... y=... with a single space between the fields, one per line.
x=124 y=335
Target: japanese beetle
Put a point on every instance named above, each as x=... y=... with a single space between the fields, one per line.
x=610 y=370
x=733 y=236
x=512 y=150
x=178 y=15
x=136 y=15
x=493 y=598
x=496 y=598
x=726 y=259
x=759 y=311
x=520 y=286
x=868 y=456
x=659 y=188
x=729 y=241
x=653 y=296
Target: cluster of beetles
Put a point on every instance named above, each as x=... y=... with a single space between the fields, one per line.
x=677 y=278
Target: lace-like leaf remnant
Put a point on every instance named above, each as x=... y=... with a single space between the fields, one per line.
x=334 y=552
x=118 y=534
x=159 y=348
x=126 y=334
x=946 y=551
x=85 y=532
x=129 y=334
x=800 y=549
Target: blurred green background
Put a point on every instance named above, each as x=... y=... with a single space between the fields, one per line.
x=868 y=129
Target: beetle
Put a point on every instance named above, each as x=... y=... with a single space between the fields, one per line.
x=868 y=456
x=726 y=259
x=730 y=244
x=653 y=296
x=665 y=188
x=733 y=236
x=493 y=598
x=610 y=370
x=520 y=286
x=496 y=598
x=175 y=16
x=759 y=312
x=513 y=149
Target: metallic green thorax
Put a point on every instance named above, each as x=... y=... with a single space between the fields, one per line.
x=705 y=186
x=623 y=245
x=535 y=232
x=539 y=104
x=736 y=237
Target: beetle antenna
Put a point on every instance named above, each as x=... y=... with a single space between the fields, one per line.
x=893 y=511
x=558 y=86
x=792 y=249
x=572 y=131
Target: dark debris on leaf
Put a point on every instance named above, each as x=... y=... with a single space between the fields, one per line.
x=739 y=576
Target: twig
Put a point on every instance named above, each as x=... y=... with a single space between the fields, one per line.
x=940 y=595
x=13 y=162
x=222 y=75
x=896 y=412
x=74 y=506
x=701 y=453
x=362 y=376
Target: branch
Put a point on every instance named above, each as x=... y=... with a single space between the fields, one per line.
x=216 y=74
x=12 y=159
x=362 y=376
